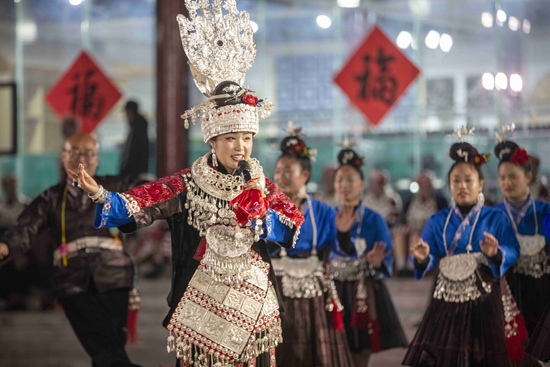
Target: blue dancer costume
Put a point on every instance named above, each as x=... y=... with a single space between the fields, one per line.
x=465 y=324
x=371 y=320
x=309 y=296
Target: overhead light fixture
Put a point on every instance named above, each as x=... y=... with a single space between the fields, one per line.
x=27 y=31
x=513 y=23
x=446 y=42
x=526 y=26
x=404 y=40
x=501 y=17
x=75 y=2
x=516 y=83
x=488 y=81
x=432 y=39
x=254 y=26
x=348 y=3
x=487 y=20
x=323 y=21
x=501 y=81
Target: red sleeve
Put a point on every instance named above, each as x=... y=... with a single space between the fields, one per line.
x=155 y=192
x=286 y=210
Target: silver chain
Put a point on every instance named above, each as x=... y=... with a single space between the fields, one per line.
x=469 y=247
x=313 y=224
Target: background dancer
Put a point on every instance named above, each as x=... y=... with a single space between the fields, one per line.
x=310 y=336
x=529 y=278
x=464 y=324
x=370 y=319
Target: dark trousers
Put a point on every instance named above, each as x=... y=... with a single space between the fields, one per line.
x=99 y=322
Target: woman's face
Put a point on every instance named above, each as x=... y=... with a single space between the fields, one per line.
x=513 y=181
x=465 y=184
x=232 y=148
x=348 y=185
x=289 y=176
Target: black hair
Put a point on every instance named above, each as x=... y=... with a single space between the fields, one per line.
x=295 y=148
x=464 y=153
x=348 y=157
x=231 y=88
x=505 y=151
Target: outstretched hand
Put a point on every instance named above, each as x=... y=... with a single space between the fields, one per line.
x=85 y=181
x=489 y=246
x=377 y=254
x=420 y=250
x=345 y=218
x=4 y=250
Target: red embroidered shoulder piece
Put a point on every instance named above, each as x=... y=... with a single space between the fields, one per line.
x=286 y=210
x=157 y=191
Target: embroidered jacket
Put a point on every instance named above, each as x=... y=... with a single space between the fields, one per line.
x=491 y=220
x=165 y=198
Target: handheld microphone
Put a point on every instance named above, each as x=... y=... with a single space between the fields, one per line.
x=243 y=168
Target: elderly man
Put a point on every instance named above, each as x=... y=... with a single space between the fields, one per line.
x=93 y=274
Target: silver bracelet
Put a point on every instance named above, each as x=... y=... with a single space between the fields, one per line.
x=100 y=196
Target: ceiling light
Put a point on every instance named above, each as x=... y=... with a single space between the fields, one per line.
x=526 y=26
x=323 y=21
x=501 y=17
x=254 y=26
x=432 y=39
x=501 y=81
x=404 y=40
x=516 y=83
x=348 y=3
x=513 y=23
x=487 y=20
x=75 y=2
x=446 y=42
x=488 y=81
x=27 y=31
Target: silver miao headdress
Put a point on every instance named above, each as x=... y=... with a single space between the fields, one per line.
x=219 y=42
x=505 y=132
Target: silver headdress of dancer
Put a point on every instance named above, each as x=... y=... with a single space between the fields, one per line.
x=219 y=42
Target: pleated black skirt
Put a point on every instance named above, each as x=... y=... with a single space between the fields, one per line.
x=532 y=296
x=539 y=344
x=384 y=331
x=309 y=338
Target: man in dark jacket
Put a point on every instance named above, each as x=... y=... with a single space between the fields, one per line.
x=93 y=274
x=135 y=155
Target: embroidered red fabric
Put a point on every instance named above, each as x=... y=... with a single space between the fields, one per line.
x=249 y=204
x=282 y=204
x=163 y=189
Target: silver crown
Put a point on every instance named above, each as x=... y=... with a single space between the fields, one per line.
x=505 y=132
x=219 y=42
x=348 y=143
x=463 y=131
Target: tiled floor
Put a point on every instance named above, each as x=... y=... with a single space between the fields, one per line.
x=45 y=339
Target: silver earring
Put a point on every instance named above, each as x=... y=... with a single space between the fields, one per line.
x=214 y=159
x=481 y=198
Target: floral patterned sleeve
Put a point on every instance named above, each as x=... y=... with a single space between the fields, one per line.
x=143 y=204
x=283 y=219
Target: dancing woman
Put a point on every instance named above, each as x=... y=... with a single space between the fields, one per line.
x=371 y=322
x=465 y=322
x=529 y=278
x=310 y=298
x=224 y=308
